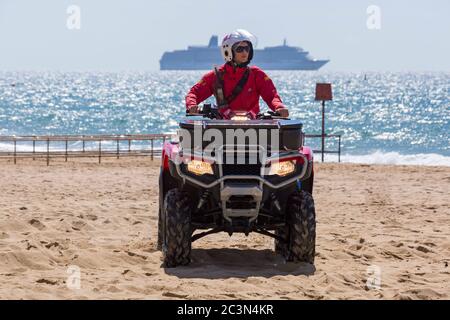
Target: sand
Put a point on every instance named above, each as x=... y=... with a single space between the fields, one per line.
x=383 y=232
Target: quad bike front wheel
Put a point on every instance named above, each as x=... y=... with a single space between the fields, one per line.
x=177 y=230
x=300 y=230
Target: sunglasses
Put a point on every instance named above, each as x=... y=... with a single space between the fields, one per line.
x=240 y=49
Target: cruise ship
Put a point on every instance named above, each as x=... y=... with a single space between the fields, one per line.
x=282 y=57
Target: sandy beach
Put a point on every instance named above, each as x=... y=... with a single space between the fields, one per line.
x=392 y=222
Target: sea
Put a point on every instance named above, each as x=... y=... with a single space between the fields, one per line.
x=382 y=117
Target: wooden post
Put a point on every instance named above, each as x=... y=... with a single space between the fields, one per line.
x=117 y=148
x=83 y=142
x=152 y=150
x=100 y=151
x=323 y=129
x=339 y=154
x=323 y=93
x=48 y=151
x=34 y=146
x=66 y=150
x=129 y=145
x=14 y=150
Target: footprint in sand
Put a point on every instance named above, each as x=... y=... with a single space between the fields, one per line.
x=4 y=235
x=113 y=289
x=29 y=245
x=430 y=244
x=53 y=244
x=46 y=281
x=132 y=254
x=422 y=294
x=78 y=225
x=91 y=217
x=423 y=249
x=37 y=224
x=174 y=295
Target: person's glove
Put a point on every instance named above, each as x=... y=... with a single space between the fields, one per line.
x=193 y=109
x=283 y=112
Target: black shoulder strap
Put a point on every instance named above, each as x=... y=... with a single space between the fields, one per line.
x=218 y=89
x=239 y=87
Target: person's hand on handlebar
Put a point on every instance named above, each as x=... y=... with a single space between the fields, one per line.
x=193 y=110
x=283 y=112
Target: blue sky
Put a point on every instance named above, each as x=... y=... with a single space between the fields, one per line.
x=132 y=35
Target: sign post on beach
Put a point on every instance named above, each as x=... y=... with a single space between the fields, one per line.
x=323 y=93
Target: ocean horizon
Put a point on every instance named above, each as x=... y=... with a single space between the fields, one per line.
x=383 y=117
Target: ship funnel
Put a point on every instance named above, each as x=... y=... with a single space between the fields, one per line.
x=213 y=42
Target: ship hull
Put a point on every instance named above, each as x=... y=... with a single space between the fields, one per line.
x=270 y=58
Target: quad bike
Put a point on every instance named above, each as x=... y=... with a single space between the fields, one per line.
x=272 y=196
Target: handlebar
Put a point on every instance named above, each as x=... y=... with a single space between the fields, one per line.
x=212 y=112
x=270 y=115
x=207 y=111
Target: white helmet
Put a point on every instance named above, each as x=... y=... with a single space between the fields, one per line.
x=235 y=37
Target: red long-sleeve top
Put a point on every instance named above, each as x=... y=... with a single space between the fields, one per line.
x=258 y=85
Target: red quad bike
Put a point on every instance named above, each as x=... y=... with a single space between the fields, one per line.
x=270 y=195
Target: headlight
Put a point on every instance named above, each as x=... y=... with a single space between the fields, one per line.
x=239 y=118
x=199 y=167
x=282 y=168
